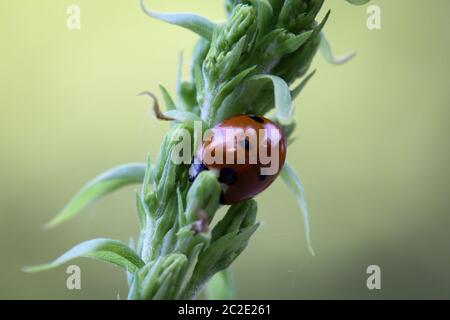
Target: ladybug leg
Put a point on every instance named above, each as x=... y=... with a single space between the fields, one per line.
x=201 y=225
x=156 y=110
x=195 y=169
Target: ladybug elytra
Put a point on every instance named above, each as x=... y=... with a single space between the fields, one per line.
x=246 y=153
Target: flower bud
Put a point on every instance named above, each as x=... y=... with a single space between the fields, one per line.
x=298 y=15
x=203 y=198
x=231 y=42
x=157 y=277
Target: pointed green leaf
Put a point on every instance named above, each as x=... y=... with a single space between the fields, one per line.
x=282 y=94
x=233 y=59
x=148 y=177
x=239 y=215
x=328 y=54
x=297 y=90
x=222 y=112
x=181 y=215
x=218 y=256
x=294 y=184
x=203 y=196
x=134 y=290
x=190 y=267
x=142 y=210
x=222 y=252
x=264 y=14
x=157 y=283
x=199 y=81
x=232 y=84
x=279 y=43
x=197 y=24
x=108 y=250
x=170 y=105
x=103 y=184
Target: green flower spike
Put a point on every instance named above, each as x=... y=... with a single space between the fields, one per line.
x=246 y=65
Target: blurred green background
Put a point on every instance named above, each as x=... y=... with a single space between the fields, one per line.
x=372 y=148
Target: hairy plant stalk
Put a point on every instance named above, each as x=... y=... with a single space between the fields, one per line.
x=243 y=66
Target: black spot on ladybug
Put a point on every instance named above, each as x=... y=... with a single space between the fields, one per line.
x=257 y=119
x=227 y=176
x=195 y=170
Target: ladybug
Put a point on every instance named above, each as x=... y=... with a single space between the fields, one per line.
x=246 y=152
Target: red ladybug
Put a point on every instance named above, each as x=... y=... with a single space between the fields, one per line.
x=246 y=152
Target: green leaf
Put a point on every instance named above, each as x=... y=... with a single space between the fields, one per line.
x=148 y=177
x=134 y=289
x=203 y=197
x=358 y=2
x=233 y=83
x=328 y=54
x=198 y=56
x=239 y=216
x=142 y=211
x=159 y=281
x=292 y=44
x=199 y=81
x=100 y=186
x=232 y=59
x=297 y=90
x=218 y=256
x=190 y=267
x=170 y=105
x=181 y=215
x=221 y=286
x=282 y=94
x=264 y=13
x=108 y=250
x=216 y=111
x=197 y=24
x=223 y=251
x=294 y=184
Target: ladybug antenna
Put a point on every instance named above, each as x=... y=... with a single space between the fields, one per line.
x=156 y=110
